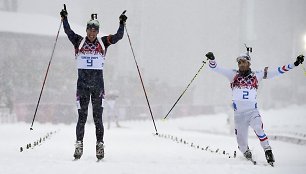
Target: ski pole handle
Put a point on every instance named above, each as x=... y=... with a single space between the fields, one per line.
x=122 y=17
x=204 y=61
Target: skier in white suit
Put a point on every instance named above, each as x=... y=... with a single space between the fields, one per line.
x=244 y=85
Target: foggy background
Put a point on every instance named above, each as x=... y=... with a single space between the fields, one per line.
x=170 y=39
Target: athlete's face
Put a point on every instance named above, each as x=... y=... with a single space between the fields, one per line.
x=244 y=65
x=92 y=34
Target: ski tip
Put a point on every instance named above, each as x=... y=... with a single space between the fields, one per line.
x=65 y=7
x=124 y=12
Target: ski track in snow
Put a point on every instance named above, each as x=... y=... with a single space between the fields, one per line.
x=135 y=149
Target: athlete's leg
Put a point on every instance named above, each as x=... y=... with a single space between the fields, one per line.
x=82 y=97
x=241 y=131
x=96 y=98
x=257 y=125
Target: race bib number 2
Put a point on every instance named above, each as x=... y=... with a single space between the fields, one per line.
x=243 y=95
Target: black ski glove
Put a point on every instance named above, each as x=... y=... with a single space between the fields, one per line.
x=210 y=56
x=122 y=18
x=64 y=13
x=299 y=60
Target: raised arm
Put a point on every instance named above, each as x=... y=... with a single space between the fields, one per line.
x=74 y=38
x=271 y=73
x=114 y=38
x=228 y=73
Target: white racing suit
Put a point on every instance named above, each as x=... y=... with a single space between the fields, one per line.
x=244 y=92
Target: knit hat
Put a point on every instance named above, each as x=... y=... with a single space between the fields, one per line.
x=93 y=23
x=244 y=56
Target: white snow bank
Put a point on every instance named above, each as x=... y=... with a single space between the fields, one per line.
x=133 y=149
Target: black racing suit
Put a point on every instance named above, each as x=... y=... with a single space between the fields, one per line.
x=90 y=82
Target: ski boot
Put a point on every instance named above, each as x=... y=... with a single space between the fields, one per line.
x=78 y=150
x=248 y=154
x=100 y=150
x=270 y=157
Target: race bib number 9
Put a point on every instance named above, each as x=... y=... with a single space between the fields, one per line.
x=90 y=61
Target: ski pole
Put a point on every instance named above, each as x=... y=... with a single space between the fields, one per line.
x=144 y=90
x=43 y=85
x=185 y=89
x=304 y=70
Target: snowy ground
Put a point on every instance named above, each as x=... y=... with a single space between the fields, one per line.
x=135 y=149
